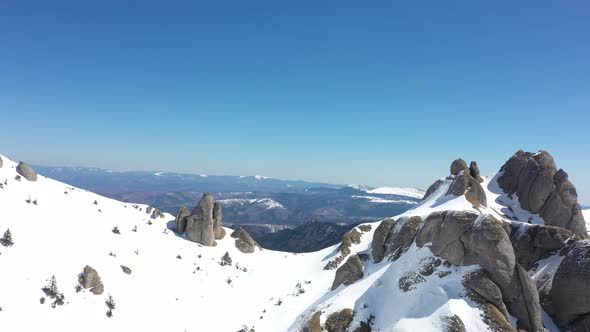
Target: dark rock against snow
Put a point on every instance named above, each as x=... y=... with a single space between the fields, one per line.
x=480 y=283
x=543 y=190
x=1 y=161
x=26 y=171
x=339 y=321
x=379 y=237
x=89 y=279
x=157 y=213
x=181 y=218
x=126 y=269
x=349 y=273
x=474 y=170
x=457 y=166
x=348 y=239
x=465 y=184
x=401 y=237
x=204 y=223
x=434 y=187
x=452 y=324
x=244 y=242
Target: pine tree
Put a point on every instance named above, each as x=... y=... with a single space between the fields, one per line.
x=7 y=239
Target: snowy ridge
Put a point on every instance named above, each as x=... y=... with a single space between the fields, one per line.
x=401 y=191
x=267 y=203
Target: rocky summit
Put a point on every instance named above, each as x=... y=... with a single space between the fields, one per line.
x=505 y=252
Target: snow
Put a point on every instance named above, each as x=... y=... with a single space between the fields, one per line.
x=401 y=191
x=267 y=203
x=586 y=214
x=261 y=177
x=380 y=200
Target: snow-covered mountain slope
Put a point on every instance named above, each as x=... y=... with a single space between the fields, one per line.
x=179 y=285
x=401 y=191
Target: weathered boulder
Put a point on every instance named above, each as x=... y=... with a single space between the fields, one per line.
x=181 y=219
x=523 y=301
x=433 y=187
x=570 y=291
x=401 y=237
x=26 y=171
x=465 y=184
x=314 y=323
x=202 y=222
x=349 y=273
x=534 y=242
x=474 y=170
x=339 y=321
x=157 y=213
x=379 y=237
x=244 y=242
x=543 y=190
x=458 y=165
x=217 y=228
x=452 y=324
x=480 y=283
x=1 y=161
x=89 y=279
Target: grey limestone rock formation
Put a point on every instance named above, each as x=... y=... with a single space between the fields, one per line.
x=349 y=273
x=543 y=190
x=1 y=161
x=244 y=242
x=379 y=237
x=433 y=187
x=534 y=242
x=203 y=224
x=401 y=237
x=26 y=171
x=339 y=321
x=89 y=279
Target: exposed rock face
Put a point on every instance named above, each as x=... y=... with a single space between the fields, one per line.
x=314 y=323
x=401 y=237
x=89 y=279
x=244 y=242
x=348 y=239
x=1 y=161
x=457 y=166
x=181 y=219
x=26 y=171
x=571 y=287
x=379 y=237
x=203 y=225
x=480 y=283
x=453 y=324
x=534 y=242
x=349 y=273
x=543 y=190
x=466 y=238
x=433 y=187
x=339 y=321
x=474 y=170
x=157 y=213
x=465 y=184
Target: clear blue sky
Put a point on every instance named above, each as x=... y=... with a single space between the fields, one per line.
x=377 y=93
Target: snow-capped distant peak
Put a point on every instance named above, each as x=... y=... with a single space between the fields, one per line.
x=402 y=191
x=261 y=177
x=358 y=187
x=159 y=173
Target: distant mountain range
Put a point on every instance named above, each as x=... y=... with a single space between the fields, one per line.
x=245 y=199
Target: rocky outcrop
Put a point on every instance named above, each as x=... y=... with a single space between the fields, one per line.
x=244 y=242
x=157 y=213
x=401 y=237
x=26 y=171
x=349 y=273
x=457 y=166
x=89 y=279
x=433 y=187
x=379 y=237
x=543 y=190
x=453 y=324
x=339 y=321
x=314 y=323
x=480 y=283
x=570 y=290
x=465 y=184
x=1 y=161
x=466 y=238
x=534 y=242
x=203 y=225
x=474 y=170
x=348 y=239
x=181 y=219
